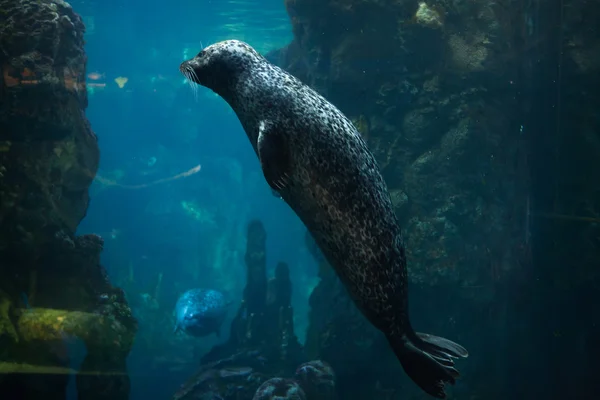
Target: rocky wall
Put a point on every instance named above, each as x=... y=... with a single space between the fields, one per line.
x=431 y=86
x=53 y=289
x=483 y=117
x=434 y=88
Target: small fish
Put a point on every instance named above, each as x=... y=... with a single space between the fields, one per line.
x=121 y=81
x=95 y=76
x=200 y=312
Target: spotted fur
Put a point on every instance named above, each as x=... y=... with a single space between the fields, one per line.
x=327 y=175
x=200 y=312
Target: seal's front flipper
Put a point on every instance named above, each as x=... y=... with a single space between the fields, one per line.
x=273 y=152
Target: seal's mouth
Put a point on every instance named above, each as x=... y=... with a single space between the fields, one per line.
x=188 y=72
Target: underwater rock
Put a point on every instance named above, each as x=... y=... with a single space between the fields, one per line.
x=265 y=317
x=48 y=152
x=428 y=16
x=220 y=381
x=317 y=380
x=280 y=313
x=54 y=288
x=279 y=389
x=434 y=89
x=8 y=332
x=262 y=337
x=255 y=292
x=51 y=324
x=235 y=377
x=418 y=88
x=69 y=299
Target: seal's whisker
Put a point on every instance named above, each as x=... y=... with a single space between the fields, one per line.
x=187 y=73
x=194 y=75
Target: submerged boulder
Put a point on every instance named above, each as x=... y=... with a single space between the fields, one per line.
x=279 y=389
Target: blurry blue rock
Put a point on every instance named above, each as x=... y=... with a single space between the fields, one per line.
x=279 y=389
x=317 y=380
x=200 y=312
x=218 y=382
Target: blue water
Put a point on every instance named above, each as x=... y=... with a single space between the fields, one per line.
x=155 y=128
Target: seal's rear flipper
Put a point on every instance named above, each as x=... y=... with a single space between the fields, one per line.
x=273 y=152
x=439 y=345
x=428 y=363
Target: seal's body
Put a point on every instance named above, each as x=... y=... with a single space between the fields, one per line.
x=314 y=157
x=200 y=312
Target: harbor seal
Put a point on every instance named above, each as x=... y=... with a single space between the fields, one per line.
x=200 y=312
x=317 y=161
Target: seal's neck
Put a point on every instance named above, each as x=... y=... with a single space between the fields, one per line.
x=225 y=89
x=241 y=92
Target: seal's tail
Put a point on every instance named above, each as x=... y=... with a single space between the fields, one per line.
x=427 y=360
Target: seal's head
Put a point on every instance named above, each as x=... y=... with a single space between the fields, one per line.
x=194 y=323
x=200 y=312
x=219 y=65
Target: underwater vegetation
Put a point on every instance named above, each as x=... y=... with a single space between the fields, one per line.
x=483 y=117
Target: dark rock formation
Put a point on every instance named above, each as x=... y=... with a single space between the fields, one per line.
x=48 y=158
x=49 y=154
x=317 y=379
x=433 y=87
x=483 y=116
x=424 y=87
x=218 y=380
x=70 y=299
x=264 y=319
x=279 y=389
x=262 y=341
